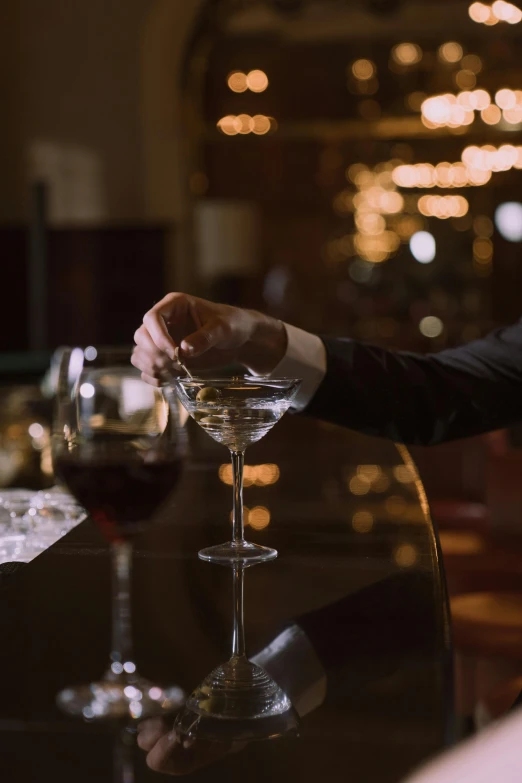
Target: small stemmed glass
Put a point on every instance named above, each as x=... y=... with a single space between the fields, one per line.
x=237 y=412
x=238 y=700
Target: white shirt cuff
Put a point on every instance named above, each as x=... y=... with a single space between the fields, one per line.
x=293 y=663
x=305 y=358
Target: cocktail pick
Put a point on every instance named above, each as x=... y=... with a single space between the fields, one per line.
x=178 y=360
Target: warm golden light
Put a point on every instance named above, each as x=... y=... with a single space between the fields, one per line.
x=369 y=472
x=237 y=81
x=483 y=249
x=431 y=326
x=407 y=226
x=443 y=207
x=506 y=12
x=481 y=99
x=500 y=11
x=355 y=169
x=450 y=52
x=260 y=475
x=483 y=226
x=257 y=81
x=407 y=53
x=405 y=555
x=244 y=123
x=227 y=125
x=362 y=521
x=260 y=124
x=472 y=62
x=359 y=486
x=465 y=79
x=404 y=474
x=363 y=69
x=491 y=115
x=259 y=517
x=231 y=125
x=488 y=158
x=479 y=12
x=513 y=116
x=370 y=223
x=443 y=175
x=505 y=99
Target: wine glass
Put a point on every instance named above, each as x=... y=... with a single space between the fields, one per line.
x=118 y=447
x=238 y=700
x=237 y=412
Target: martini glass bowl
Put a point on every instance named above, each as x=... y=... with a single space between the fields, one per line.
x=237 y=412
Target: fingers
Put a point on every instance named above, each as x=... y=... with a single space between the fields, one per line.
x=163 y=756
x=155 y=320
x=144 y=341
x=213 y=333
x=178 y=755
x=150 y=732
x=156 y=364
x=150 y=379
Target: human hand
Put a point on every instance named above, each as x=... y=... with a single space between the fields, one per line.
x=207 y=335
x=172 y=753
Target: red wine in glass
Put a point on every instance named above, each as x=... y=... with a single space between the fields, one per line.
x=121 y=495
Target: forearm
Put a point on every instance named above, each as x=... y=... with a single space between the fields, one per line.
x=419 y=399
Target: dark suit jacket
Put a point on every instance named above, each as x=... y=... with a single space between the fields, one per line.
x=423 y=400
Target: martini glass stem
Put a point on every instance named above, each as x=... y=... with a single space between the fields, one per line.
x=238 y=633
x=238 y=527
x=121 y=647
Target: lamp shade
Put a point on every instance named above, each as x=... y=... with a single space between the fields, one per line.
x=227 y=238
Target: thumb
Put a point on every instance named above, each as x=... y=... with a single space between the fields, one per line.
x=209 y=336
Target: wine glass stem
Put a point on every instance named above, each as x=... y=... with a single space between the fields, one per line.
x=121 y=650
x=238 y=528
x=238 y=633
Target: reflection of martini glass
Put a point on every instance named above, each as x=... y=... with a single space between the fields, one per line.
x=237 y=412
x=238 y=700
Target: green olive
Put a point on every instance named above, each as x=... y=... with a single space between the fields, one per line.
x=211 y=420
x=207 y=394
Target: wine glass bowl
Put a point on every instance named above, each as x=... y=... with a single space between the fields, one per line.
x=237 y=412
x=118 y=447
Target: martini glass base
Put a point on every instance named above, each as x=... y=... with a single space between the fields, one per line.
x=122 y=698
x=237 y=553
x=238 y=701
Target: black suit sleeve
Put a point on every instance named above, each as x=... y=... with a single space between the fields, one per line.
x=423 y=400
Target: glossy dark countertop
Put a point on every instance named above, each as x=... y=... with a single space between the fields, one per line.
x=357 y=570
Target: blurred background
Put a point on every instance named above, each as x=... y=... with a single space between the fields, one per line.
x=350 y=166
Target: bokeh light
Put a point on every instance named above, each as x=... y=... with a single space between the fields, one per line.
x=257 y=81
x=423 y=247
x=362 y=521
x=259 y=517
x=450 y=52
x=491 y=115
x=431 y=326
x=508 y=220
x=237 y=81
x=407 y=53
x=363 y=69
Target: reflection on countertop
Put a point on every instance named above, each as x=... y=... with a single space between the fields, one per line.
x=357 y=584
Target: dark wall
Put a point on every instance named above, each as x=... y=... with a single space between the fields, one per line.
x=100 y=283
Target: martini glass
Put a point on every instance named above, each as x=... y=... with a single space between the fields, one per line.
x=237 y=412
x=238 y=700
